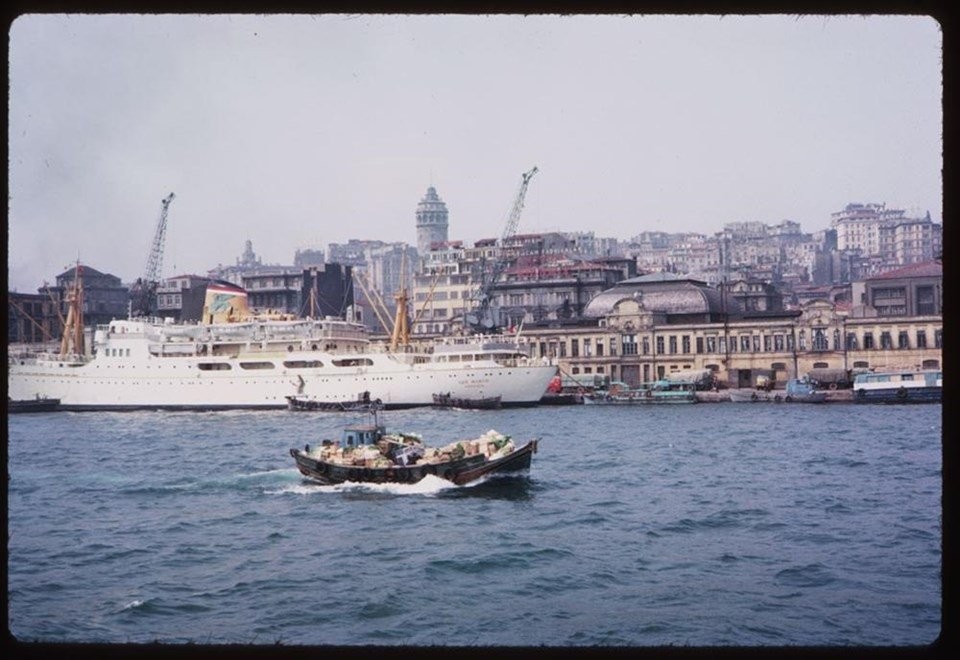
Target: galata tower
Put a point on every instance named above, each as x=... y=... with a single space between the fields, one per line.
x=432 y=222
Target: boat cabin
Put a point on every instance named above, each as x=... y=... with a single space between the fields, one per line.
x=367 y=434
x=800 y=386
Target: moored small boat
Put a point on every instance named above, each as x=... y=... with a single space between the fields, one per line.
x=920 y=386
x=39 y=404
x=369 y=454
x=483 y=403
x=362 y=403
x=656 y=393
x=797 y=391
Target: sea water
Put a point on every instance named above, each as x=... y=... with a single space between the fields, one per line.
x=706 y=525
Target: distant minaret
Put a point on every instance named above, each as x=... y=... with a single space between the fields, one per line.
x=432 y=222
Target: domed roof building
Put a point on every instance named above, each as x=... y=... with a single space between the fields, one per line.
x=677 y=299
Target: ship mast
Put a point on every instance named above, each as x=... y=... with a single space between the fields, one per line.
x=73 y=326
x=401 y=323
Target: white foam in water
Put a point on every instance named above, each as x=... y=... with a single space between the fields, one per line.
x=429 y=485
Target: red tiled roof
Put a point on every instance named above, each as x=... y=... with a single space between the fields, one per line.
x=922 y=269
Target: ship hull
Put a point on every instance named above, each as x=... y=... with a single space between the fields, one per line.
x=182 y=383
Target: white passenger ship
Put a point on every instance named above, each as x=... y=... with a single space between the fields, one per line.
x=234 y=360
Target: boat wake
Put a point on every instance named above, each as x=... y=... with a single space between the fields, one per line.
x=429 y=485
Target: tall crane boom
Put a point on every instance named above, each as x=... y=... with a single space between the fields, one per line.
x=143 y=292
x=155 y=259
x=481 y=318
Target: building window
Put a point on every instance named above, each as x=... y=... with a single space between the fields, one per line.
x=851 y=341
x=673 y=344
x=921 y=338
x=599 y=348
x=699 y=344
x=886 y=341
x=756 y=343
x=575 y=370
x=868 y=341
x=767 y=343
x=926 y=304
x=790 y=342
x=660 y=346
x=563 y=349
x=836 y=339
x=903 y=340
x=745 y=343
x=938 y=338
x=722 y=344
x=646 y=345
x=819 y=340
x=778 y=342
x=802 y=337
x=629 y=344
x=685 y=343
x=711 y=344
x=861 y=364
x=574 y=348
x=613 y=347
x=587 y=347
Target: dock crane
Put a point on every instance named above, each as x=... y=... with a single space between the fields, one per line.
x=143 y=293
x=482 y=319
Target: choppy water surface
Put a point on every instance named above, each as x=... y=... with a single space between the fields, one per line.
x=713 y=524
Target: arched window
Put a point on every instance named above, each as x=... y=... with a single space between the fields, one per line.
x=820 y=340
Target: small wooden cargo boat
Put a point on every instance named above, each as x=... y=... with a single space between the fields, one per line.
x=39 y=404
x=369 y=454
x=447 y=401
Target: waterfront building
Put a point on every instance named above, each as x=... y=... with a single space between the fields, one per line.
x=753 y=295
x=587 y=245
x=274 y=289
x=650 y=326
x=174 y=294
x=541 y=277
x=885 y=238
x=913 y=290
x=104 y=297
x=306 y=257
x=442 y=289
x=32 y=318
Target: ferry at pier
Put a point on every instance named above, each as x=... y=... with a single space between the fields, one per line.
x=233 y=359
x=920 y=386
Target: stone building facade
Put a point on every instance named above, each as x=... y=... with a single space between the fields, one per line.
x=648 y=327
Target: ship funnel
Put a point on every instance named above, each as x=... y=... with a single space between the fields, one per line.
x=225 y=303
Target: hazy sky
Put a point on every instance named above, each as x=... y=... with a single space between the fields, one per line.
x=298 y=131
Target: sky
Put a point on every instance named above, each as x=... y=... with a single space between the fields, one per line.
x=295 y=132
